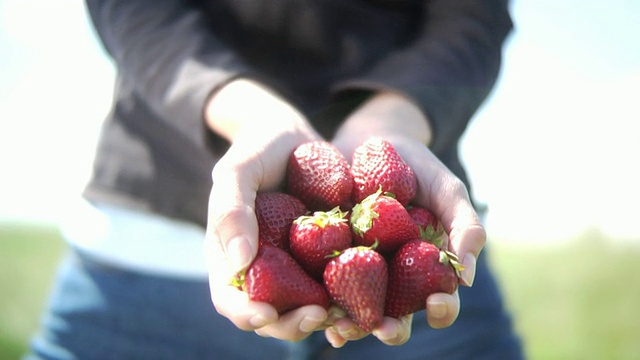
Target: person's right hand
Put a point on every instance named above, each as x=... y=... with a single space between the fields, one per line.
x=264 y=130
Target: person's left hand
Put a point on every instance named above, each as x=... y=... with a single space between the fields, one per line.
x=394 y=118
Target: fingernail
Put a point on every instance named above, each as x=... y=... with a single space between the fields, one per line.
x=309 y=324
x=238 y=253
x=258 y=321
x=469 y=272
x=332 y=340
x=347 y=333
x=437 y=309
x=382 y=336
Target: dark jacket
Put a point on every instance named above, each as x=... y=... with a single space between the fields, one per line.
x=325 y=56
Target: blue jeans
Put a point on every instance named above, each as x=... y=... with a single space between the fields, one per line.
x=101 y=312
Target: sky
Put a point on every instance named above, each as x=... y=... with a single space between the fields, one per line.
x=553 y=152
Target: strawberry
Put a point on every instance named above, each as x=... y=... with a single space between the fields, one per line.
x=375 y=163
x=357 y=283
x=276 y=278
x=417 y=270
x=319 y=175
x=430 y=228
x=313 y=238
x=380 y=217
x=275 y=212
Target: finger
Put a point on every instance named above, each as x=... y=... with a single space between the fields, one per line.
x=394 y=331
x=442 y=309
x=467 y=236
x=243 y=313
x=296 y=324
x=348 y=330
x=467 y=243
x=334 y=338
x=447 y=196
x=334 y=314
x=231 y=302
x=232 y=222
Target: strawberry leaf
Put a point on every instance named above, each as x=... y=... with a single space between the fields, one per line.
x=363 y=214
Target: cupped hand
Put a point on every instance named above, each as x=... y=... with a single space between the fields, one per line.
x=397 y=120
x=263 y=134
x=391 y=331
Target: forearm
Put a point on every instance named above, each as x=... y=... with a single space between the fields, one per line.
x=388 y=114
x=244 y=107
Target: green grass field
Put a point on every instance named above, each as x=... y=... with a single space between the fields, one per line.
x=578 y=300
x=28 y=257
x=575 y=301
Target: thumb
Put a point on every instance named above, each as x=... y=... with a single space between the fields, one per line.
x=232 y=224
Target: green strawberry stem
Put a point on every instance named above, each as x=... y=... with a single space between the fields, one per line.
x=432 y=235
x=447 y=257
x=337 y=253
x=363 y=214
x=238 y=280
x=323 y=218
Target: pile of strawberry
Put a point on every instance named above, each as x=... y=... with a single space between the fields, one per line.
x=348 y=236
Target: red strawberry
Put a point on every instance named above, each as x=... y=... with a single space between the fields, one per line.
x=319 y=175
x=313 y=238
x=376 y=164
x=417 y=270
x=276 y=278
x=357 y=283
x=275 y=212
x=382 y=218
x=431 y=229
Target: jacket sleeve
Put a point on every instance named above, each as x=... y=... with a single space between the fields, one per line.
x=450 y=68
x=165 y=51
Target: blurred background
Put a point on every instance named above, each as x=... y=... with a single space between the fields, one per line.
x=553 y=153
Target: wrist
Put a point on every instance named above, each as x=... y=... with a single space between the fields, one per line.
x=244 y=106
x=390 y=115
